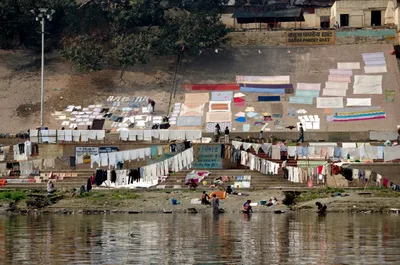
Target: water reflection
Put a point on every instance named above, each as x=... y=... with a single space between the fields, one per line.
x=200 y=239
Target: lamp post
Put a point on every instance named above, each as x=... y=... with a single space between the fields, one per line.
x=41 y=15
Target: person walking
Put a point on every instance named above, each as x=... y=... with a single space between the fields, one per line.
x=215 y=203
x=301 y=134
x=226 y=135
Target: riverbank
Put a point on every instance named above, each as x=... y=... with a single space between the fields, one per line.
x=142 y=201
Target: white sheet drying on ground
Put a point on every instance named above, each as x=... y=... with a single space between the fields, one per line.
x=350 y=65
x=308 y=86
x=336 y=85
x=339 y=78
x=375 y=69
x=367 y=84
x=372 y=55
x=375 y=62
x=347 y=72
x=358 y=102
x=285 y=79
x=334 y=92
x=328 y=103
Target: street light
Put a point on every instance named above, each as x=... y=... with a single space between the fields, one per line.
x=41 y=15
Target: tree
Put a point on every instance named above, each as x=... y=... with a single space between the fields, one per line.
x=85 y=52
x=117 y=32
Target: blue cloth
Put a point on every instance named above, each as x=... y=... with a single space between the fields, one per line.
x=299 y=150
x=269 y=98
x=251 y=114
x=153 y=151
x=301 y=100
x=380 y=152
x=307 y=93
x=222 y=96
x=240 y=119
x=304 y=151
x=262 y=90
x=189 y=121
x=337 y=152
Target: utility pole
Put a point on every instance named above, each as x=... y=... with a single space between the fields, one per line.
x=41 y=15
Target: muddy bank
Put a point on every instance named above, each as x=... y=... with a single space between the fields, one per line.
x=134 y=202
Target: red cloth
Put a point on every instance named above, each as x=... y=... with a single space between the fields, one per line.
x=238 y=99
x=335 y=170
x=239 y=104
x=320 y=169
x=385 y=182
x=222 y=87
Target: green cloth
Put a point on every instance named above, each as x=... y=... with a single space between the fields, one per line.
x=305 y=163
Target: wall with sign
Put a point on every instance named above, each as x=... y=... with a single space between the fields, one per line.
x=209 y=156
x=83 y=153
x=311 y=37
x=108 y=149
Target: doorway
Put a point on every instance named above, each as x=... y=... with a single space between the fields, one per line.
x=344 y=20
x=324 y=22
x=376 y=18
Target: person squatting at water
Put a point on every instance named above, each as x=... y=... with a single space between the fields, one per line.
x=321 y=208
x=205 y=198
x=247 y=207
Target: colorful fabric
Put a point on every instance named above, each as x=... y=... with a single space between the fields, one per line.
x=269 y=98
x=241 y=119
x=222 y=96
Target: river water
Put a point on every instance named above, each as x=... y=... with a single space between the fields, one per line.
x=290 y=238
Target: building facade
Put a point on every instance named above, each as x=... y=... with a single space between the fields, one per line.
x=359 y=13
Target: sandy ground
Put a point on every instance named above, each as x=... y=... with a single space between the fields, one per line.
x=160 y=201
x=20 y=83
x=20 y=87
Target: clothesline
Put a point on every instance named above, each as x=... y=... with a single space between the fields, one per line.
x=148 y=135
x=54 y=136
x=353 y=151
x=151 y=174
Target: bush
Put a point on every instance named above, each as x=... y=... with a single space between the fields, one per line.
x=12 y=195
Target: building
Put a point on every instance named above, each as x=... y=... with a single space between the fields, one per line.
x=359 y=13
x=278 y=14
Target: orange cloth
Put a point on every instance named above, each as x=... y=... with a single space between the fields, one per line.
x=219 y=193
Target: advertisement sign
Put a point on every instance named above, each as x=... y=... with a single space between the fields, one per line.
x=83 y=153
x=108 y=149
x=209 y=156
x=311 y=37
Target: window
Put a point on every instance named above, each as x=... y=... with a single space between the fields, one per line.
x=324 y=22
x=344 y=20
x=376 y=17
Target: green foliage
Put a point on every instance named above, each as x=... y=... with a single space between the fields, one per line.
x=14 y=196
x=85 y=53
x=131 y=49
x=110 y=195
x=114 y=32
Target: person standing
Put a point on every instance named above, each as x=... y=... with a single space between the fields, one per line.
x=215 y=203
x=285 y=170
x=226 y=135
x=301 y=134
x=284 y=151
x=50 y=187
x=217 y=133
x=151 y=105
